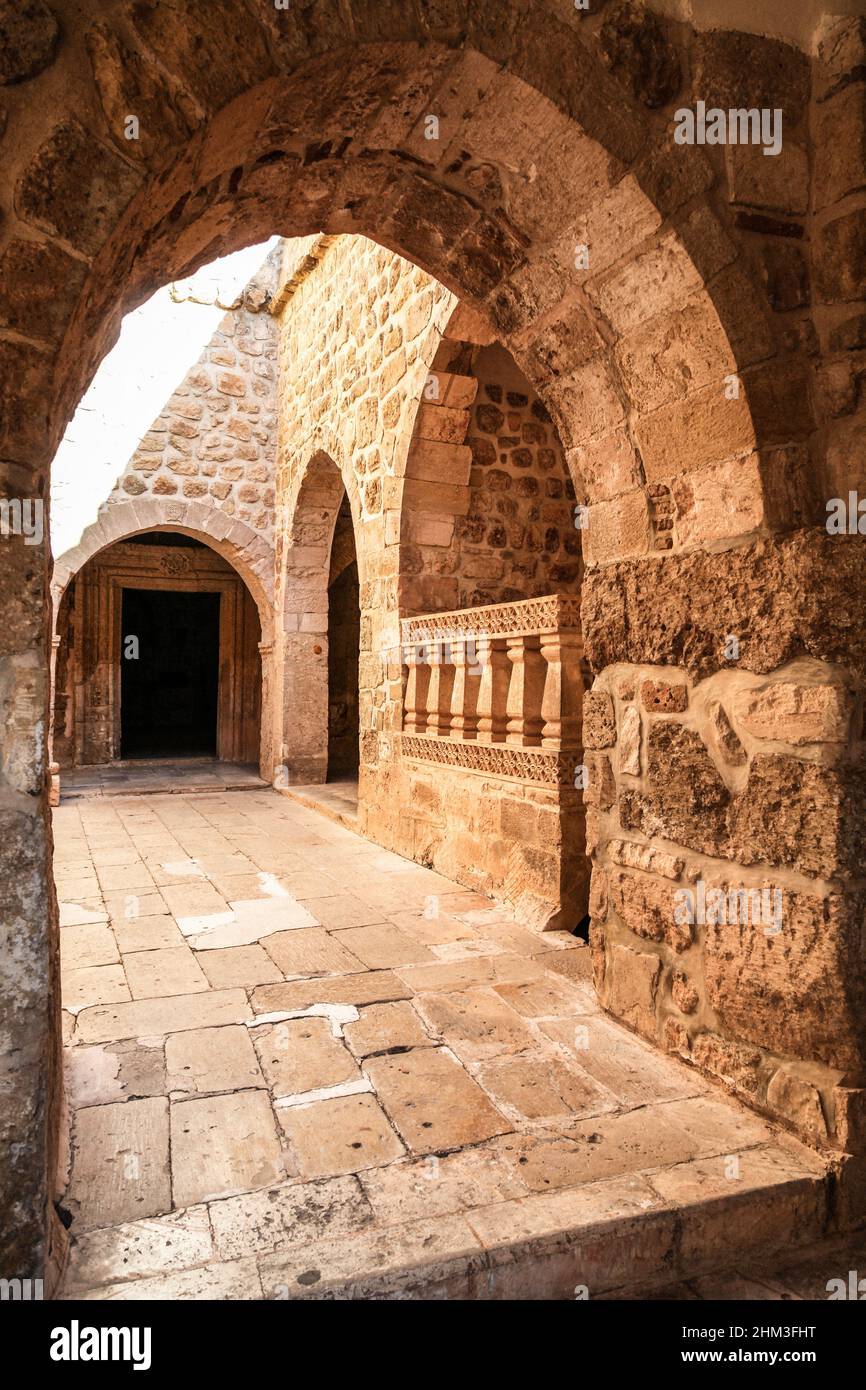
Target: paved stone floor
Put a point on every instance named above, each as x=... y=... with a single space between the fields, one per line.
x=300 y=1066
x=157 y=775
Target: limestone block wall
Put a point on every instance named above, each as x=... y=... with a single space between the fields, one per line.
x=725 y=818
x=215 y=439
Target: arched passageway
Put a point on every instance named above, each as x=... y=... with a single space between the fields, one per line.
x=639 y=285
x=158 y=656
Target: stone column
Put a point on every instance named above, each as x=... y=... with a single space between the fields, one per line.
x=464 y=696
x=417 y=686
x=525 y=691
x=440 y=689
x=562 y=702
x=493 y=689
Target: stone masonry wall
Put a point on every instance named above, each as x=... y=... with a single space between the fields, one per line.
x=215 y=439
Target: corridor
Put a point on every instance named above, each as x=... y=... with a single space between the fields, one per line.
x=301 y=1066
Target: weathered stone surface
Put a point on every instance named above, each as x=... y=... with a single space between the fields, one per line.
x=732 y=1062
x=731 y=748
x=632 y=987
x=221 y=1145
x=599 y=720
x=799 y=595
x=661 y=697
x=794 y=1098
x=649 y=908
x=740 y=70
x=800 y=814
x=121 y=1170
x=433 y=1102
x=840 y=258
x=75 y=188
x=344 y=1135
x=30 y=274
x=28 y=38
x=630 y=741
x=688 y=799
x=638 y=52
x=795 y=713
x=655 y=861
x=798 y=992
x=127 y=84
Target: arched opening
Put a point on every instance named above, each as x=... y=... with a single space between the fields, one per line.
x=682 y=403
x=344 y=637
x=158 y=657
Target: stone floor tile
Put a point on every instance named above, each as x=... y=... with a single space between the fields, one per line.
x=310 y=951
x=129 y=907
x=235 y=1281
x=120 y=1169
x=90 y=944
x=141 y=1249
x=79 y=914
x=372 y=987
x=302 y=1054
x=416 y=1188
x=433 y=1102
x=243 y=966
x=432 y=931
x=153 y=974
x=193 y=900
x=340 y=1135
x=627 y=1066
x=386 y=1028
x=125 y=878
x=279 y=1217
x=207 y=1060
x=476 y=1023
x=534 y=1086
x=477 y=970
x=222 y=1145
x=342 y=910
x=377 y=1263
x=113 y=1072
x=151 y=1018
x=98 y=984
x=550 y=997
x=384 y=947
x=147 y=934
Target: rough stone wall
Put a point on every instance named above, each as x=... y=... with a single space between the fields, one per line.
x=519 y=539
x=215 y=439
x=703 y=791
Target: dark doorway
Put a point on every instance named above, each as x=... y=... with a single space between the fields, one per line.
x=168 y=692
x=344 y=639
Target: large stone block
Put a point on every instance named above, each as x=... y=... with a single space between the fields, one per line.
x=75 y=188
x=839 y=258
x=781 y=599
x=795 y=713
x=801 y=991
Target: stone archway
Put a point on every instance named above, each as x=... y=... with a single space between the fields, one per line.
x=245 y=551
x=308 y=120
x=311 y=514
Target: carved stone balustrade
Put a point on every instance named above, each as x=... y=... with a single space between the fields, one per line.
x=496 y=689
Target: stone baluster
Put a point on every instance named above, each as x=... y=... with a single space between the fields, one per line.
x=417 y=684
x=493 y=689
x=525 y=691
x=464 y=695
x=439 y=689
x=562 y=702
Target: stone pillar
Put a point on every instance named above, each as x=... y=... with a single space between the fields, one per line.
x=440 y=689
x=525 y=691
x=492 y=690
x=562 y=701
x=417 y=686
x=464 y=696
